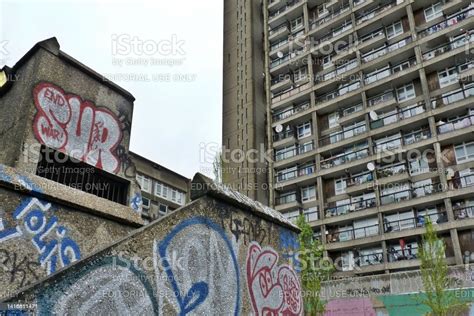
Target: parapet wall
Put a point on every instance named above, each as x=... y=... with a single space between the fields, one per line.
x=219 y=255
x=46 y=226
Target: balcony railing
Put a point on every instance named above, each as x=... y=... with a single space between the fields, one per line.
x=344 y=8
x=401 y=115
x=283 y=135
x=408 y=253
x=369 y=259
x=464 y=212
x=346 y=26
x=463 y=182
x=344 y=158
x=444 y=48
x=411 y=193
x=384 y=73
x=290 y=112
x=279 y=44
x=279 y=28
x=285 y=8
x=293 y=152
x=462 y=15
x=412 y=222
x=392 y=170
x=286 y=94
x=374 y=34
x=406 y=139
x=381 y=98
x=374 y=12
x=290 y=198
x=343 y=135
x=460 y=123
x=385 y=50
x=350 y=207
x=338 y=92
x=353 y=233
x=293 y=174
x=451 y=97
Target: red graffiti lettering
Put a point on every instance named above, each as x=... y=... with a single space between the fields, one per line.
x=76 y=127
x=274 y=290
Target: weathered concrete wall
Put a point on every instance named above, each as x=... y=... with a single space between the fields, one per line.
x=219 y=255
x=45 y=226
x=390 y=294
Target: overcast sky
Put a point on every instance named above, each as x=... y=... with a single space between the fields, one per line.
x=179 y=108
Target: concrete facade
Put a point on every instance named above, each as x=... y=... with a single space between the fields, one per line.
x=244 y=110
x=163 y=190
x=221 y=254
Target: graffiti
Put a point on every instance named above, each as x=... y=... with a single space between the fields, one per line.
x=274 y=290
x=76 y=127
x=289 y=244
x=23 y=270
x=136 y=202
x=206 y=280
x=244 y=229
x=109 y=287
x=50 y=240
x=22 y=180
x=126 y=163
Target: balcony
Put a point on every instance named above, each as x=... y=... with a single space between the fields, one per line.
x=286 y=199
x=445 y=48
x=334 y=138
x=281 y=30
x=411 y=193
x=372 y=14
x=400 y=115
x=353 y=233
x=408 y=253
x=311 y=214
x=451 y=97
x=412 y=222
x=462 y=15
x=462 y=182
x=398 y=142
x=350 y=207
x=387 y=72
x=344 y=158
x=382 y=98
x=330 y=17
x=286 y=113
x=353 y=86
x=289 y=93
x=454 y=125
x=283 y=135
x=393 y=170
x=294 y=174
x=461 y=213
x=295 y=151
x=385 y=50
x=290 y=4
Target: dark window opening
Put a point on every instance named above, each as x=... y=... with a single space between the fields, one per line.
x=58 y=167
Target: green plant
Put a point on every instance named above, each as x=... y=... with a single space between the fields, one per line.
x=435 y=276
x=314 y=269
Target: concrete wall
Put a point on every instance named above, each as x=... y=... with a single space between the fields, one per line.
x=218 y=255
x=45 y=226
x=390 y=294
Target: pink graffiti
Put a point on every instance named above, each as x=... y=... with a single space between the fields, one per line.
x=274 y=290
x=76 y=127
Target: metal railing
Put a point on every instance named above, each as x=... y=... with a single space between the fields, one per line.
x=287 y=7
x=376 y=11
x=288 y=93
x=340 y=136
x=464 y=212
x=351 y=207
x=401 y=114
x=462 y=182
x=460 y=16
x=279 y=28
x=353 y=233
x=289 y=198
x=344 y=158
x=386 y=172
x=412 y=222
x=290 y=112
x=406 y=139
x=283 y=135
x=457 y=124
x=408 y=253
x=293 y=152
x=352 y=86
x=386 y=49
x=293 y=174
x=380 y=98
x=369 y=259
x=387 y=72
x=320 y=21
x=443 y=49
x=451 y=97
x=411 y=193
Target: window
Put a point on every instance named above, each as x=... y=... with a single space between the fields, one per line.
x=311 y=214
x=327 y=61
x=300 y=73
x=366 y=227
x=287 y=174
x=419 y=166
x=394 y=29
x=433 y=11
x=423 y=188
x=340 y=186
x=464 y=152
x=333 y=118
x=145 y=183
x=352 y=109
x=145 y=203
x=170 y=194
x=284 y=153
x=296 y=23
x=304 y=130
x=163 y=209
x=292 y=216
x=406 y=92
x=308 y=193
x=447 y=77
